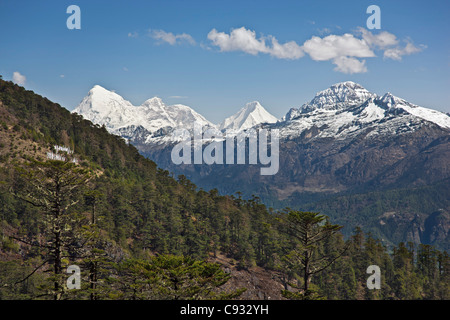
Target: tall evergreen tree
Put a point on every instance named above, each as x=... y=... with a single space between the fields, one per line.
x=311 y=230
x=54 y=188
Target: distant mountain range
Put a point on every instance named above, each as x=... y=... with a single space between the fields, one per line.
x=345 y=137
x=346 y=145
x=344 y=108
x=152 y=121
x=329 y=143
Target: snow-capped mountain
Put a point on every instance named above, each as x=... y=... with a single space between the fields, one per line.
x=147 y=122
x=343 y=110
x=249 y=116
x=346 y=109
x=153 y=121
x=338 y=96
x=344 y=139
x=107 y=108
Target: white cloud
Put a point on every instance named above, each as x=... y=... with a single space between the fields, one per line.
x=333 y=46
x=397 y=53
x=238 y=40
x=18 y=78
x=341 y=50
x=344 y=51
x=171 y=38
x=245 y=40
x=349 y=65
x=133 y=34
x=382 y=40
x=289 y=50
x=62 y=76
x=386 y=41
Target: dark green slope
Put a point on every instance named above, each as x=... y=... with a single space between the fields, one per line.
x=419 y=215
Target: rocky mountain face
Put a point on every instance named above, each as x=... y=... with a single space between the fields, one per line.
x=345 y=141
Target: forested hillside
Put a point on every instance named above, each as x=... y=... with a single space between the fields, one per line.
x=133 y=228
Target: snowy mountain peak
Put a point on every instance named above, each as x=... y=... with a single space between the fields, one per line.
x=105 y=107
x=343 y=109
x=391 y=101
x=98 y=88
x=251 y=106
x=154 y=102
x=291 y=114
x=101 y=94
x=253 y=113
x=337 y=96
x=348 y=84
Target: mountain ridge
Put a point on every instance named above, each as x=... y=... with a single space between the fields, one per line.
x=118 y=113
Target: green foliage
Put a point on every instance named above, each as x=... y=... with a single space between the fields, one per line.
x=410 y=272
x=169 y=277
x=180 y=277
x=367 y=209
x=311 y=231
x=53 y=187
x=12 y=283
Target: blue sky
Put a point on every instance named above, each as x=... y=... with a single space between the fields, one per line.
x=215 y=56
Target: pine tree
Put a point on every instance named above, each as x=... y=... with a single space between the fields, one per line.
x=311 y=230
x=94 y=257
x=53 y=187
x=405 y=284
